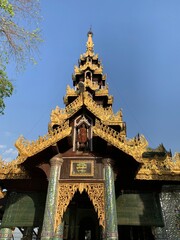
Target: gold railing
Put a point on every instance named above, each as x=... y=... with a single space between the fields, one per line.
x=134 y=147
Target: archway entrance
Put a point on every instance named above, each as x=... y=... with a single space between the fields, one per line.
x=81 y=220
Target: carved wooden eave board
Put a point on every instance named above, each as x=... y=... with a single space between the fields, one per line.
x=26 y=149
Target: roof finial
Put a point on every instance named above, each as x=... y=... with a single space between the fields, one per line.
x=90 y=44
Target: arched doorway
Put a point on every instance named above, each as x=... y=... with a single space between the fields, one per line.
x=80 y=219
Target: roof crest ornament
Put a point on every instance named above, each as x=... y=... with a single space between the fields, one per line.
x=90 y=44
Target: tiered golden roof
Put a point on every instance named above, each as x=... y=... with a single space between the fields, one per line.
x=90 y=73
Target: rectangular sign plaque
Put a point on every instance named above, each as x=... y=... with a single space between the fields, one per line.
x=82 y=168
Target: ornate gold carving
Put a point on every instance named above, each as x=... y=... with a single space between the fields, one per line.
x=104 y=77
x=102 y=92
x=105 y=114
x=66 y=192
x=97 y=68
x=132 y=147
x=83 y=56
x=110 y=99
x=93 y=85
x=58 y=115
x=13 y=170
x=28 y=148
x=158 y=169
x=90 y=44
x=70 y=91
x=94 y=67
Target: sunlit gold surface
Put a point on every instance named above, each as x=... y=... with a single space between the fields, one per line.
x=29 y=148
x=157 y=169
x=67 y=191
x=132 y=147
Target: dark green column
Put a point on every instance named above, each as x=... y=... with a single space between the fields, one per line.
x=51 y=199
x=111 y=232
x=5 y=233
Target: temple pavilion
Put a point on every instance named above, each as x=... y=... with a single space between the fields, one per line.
x=85 y=179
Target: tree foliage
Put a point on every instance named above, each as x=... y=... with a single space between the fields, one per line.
x=6 y=89
x=19 y=38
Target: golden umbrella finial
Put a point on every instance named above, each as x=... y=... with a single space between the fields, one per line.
x=90 y=44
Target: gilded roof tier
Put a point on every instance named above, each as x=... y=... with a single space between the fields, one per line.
x=90 y=72
x=58 y=115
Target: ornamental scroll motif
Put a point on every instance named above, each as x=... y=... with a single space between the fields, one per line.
x=66 y=192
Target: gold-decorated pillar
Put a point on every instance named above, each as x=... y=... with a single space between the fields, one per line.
x=51 y=199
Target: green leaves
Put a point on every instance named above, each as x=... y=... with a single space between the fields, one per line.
x=19 y=39
x=7 y=7
x=6 y=89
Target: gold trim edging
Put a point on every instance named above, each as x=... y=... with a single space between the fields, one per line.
x=132 y=146
x=66 y=192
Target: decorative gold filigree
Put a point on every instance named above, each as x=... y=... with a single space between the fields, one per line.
x=94 y=67
x=70 y=91
x=84 y=56
x=110 y=99
x=66 y=192
x=13 y=170
x=156 y=169
x=134 y=147
x=105 y=114
x=27 y=148
x=58 y=115
x=88 y=56
x=90 y=44
x=102 y=92
x=93 y=85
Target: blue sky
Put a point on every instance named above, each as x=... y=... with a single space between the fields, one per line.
x=139 y=44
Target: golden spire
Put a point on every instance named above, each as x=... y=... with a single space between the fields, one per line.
x=89 y=44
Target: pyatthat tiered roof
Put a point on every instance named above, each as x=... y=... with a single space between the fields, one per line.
x=88 y=102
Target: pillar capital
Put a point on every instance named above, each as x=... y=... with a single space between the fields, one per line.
x=56 y=160
x=108 y=162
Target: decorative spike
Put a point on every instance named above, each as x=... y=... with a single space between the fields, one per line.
x=89 y=43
